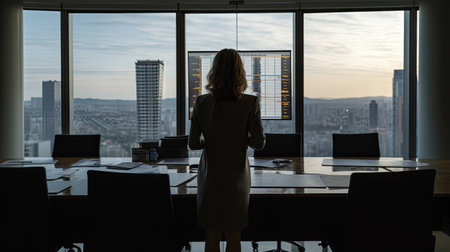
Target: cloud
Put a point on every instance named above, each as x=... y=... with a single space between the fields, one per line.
x=354 y=52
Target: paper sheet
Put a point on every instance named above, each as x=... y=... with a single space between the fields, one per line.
x=60 y=173
x=87 y=163
x=57 y=186
x=371 y=162
x=336 y=181
x=269 y=180
x=179 y=161
x=36 y=161
x=177 y=179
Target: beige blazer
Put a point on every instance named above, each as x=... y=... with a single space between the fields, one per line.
x=224 y=129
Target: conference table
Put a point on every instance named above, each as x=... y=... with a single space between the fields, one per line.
x=275 y=213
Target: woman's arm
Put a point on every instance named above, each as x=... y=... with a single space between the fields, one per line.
x=257 y=139
x=196 y=141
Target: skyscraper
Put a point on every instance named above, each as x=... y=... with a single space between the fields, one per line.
x=149 y=84
x=373 y=114
x=36 y=104
x=51 y=109
x=397 y=112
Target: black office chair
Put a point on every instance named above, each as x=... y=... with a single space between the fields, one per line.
x=129 y=212
x=387 y=212
x=76 y=146
x=174 y=147
x=356 y=145
x=25 y=219
x=280 y=145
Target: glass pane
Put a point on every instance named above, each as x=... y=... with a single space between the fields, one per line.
x=42 y=81
x=124 y=78
x=265 y=41
x=271 y=31
x=353 y=78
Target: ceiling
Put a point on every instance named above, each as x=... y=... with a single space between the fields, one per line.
x=215 y=5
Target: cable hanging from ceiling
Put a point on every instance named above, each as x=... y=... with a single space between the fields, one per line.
x=236 y=3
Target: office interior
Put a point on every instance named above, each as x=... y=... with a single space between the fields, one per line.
x=426 y=87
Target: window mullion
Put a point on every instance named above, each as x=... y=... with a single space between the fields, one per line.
x=66 y=72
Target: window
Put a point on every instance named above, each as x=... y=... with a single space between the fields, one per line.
x=353 y=78
x=353 y=74
x=271 y=31
x=42 y=81
x=124 y=78
x=268 y=33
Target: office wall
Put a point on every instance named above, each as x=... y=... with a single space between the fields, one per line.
x=11 y=80
x=433 y=91
x=433 y=88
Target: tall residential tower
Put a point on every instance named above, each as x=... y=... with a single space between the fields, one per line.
x=149 y=84
x=51 y=109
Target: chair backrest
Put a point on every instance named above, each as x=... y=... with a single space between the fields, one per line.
x=76 y=146
x=281 y=145
x=356 y=145
x=390 y=211
x=24 y=210
x=174 y=147
x=129 y=212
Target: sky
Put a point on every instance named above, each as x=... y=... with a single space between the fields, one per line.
x=346 y=54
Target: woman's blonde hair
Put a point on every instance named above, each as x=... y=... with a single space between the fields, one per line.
x=226 y=79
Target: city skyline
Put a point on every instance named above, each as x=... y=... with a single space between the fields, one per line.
x=125 y=122
x=117 y=122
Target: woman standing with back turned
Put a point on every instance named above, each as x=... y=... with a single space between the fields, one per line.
x=223 y=123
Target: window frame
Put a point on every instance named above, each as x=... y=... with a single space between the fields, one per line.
x=410 y=62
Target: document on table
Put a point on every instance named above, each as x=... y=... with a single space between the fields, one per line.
x=269 y=180
x=60 y=173
x=57 y=186
x=177 y=179
x=336 y=181
x=36 y=161
x=179 y=161
x=87 y=163
x=371 y=163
